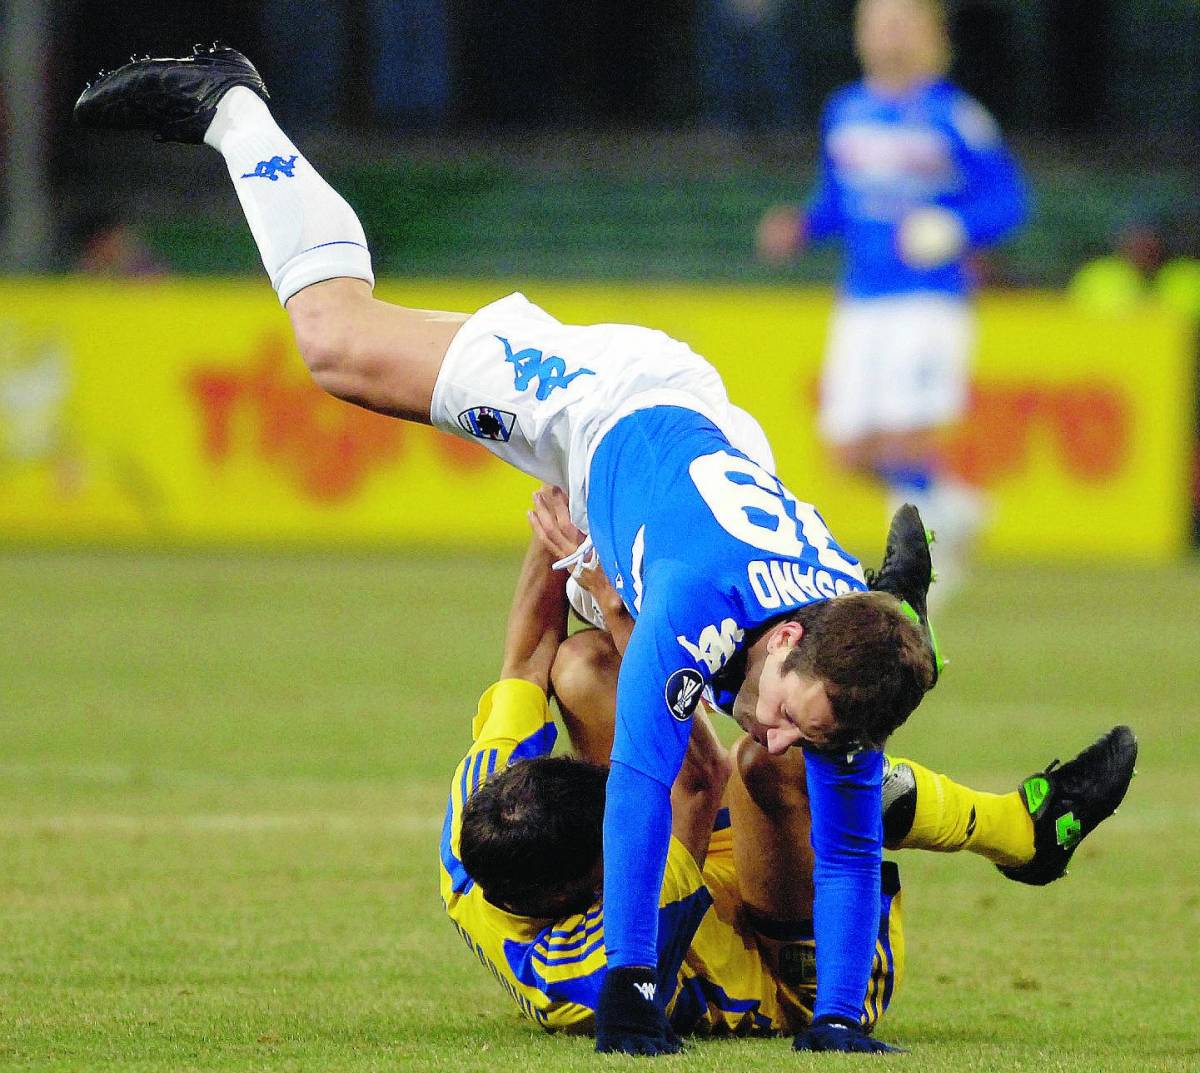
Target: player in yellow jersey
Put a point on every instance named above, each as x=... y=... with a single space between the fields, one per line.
x=521 y=845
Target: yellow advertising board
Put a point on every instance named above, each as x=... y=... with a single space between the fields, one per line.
x=179 y=413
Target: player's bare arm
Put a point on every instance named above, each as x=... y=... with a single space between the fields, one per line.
x=537 y=620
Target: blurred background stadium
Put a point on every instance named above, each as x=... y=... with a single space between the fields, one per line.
x=231 y=604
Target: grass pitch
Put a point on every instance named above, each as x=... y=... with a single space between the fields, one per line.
x=222 y=779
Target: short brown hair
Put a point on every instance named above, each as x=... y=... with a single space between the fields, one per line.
x=873 y=659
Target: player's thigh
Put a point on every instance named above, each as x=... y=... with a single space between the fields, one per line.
x=383 y=357
x=769 y=813
x=926 y=365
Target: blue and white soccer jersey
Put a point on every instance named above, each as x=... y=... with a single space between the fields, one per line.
x=540 y=394
x=902 y=338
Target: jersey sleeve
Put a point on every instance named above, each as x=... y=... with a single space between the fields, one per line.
x=823 y=212
x=512 y=723
x=847 y=840
x=567 y=961
x=994 y=199
x=680 y=640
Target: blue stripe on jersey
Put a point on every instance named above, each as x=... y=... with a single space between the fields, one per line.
x=462 y=788
x=493 y=755
x=582 y=990
x=476 y=769
x=539 y=954
x=458 y=874
x=571 y=940
x=722 y=822
x=700 y=992
x=540 y=743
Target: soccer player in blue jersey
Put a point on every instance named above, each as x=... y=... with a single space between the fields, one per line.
x=913 y=177
x=735 y=583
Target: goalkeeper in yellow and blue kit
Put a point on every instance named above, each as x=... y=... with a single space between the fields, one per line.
x=521 y=845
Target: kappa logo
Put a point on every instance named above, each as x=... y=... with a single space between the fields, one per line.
x=683 y=693
x=486 y=423
x=647 y=991
x=273 y=168
x=715 y=646
x=531 y=364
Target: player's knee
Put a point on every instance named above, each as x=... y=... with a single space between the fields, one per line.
x=774 y=783
x=585 y=667
x=323 y=321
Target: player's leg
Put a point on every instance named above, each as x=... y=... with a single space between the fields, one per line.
x=923 y=809
x=380 y=356
x=769 y=812
x=584 y=682
x=1031 y=833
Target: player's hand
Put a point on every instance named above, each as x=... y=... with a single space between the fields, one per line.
x=551 y=522
x=781 y=234
x=629 y=1019
x=841 y=1036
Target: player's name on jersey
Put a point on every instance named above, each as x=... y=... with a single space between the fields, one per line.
x=782 y=582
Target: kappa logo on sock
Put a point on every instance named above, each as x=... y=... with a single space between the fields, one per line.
x=647 y=991
x=273 y=168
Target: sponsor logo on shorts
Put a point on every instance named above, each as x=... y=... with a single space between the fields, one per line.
x=683 y=692
x=484 y=423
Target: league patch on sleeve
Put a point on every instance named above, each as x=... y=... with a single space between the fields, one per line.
x=485 y=423
x=683 y=692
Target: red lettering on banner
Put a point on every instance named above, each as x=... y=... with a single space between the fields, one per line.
x=327 y=448
x=1089 y=424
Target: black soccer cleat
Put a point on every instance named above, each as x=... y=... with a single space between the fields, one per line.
x=907 y=572
x=1068 y=803
x=175 y=99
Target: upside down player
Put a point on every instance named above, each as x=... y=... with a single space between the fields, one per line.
x=521 y=844
x=709 y=550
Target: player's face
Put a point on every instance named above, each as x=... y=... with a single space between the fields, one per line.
x=791 y=710
x=897 y=36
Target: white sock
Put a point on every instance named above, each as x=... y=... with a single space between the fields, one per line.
x=305 y=231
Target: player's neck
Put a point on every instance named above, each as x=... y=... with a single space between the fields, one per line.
x=899 y=81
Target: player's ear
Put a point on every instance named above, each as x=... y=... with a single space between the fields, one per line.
x=785 y=635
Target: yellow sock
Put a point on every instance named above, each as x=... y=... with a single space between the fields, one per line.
x=950 y=817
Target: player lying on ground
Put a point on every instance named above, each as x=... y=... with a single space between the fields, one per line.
x=521 y=847
x=710 y=552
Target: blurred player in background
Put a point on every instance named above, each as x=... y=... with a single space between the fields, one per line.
x=521 y=844
x=913 y=176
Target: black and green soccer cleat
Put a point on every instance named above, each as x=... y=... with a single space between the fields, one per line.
x=1068 y=803
x=175 y=99
x=907 y=572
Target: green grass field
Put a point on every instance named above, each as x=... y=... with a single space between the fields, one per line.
x=221 y=784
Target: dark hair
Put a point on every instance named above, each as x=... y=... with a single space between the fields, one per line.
x=532 y=836
x=873 y=659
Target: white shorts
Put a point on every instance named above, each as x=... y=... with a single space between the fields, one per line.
x=895 y=364
x=540 y=394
